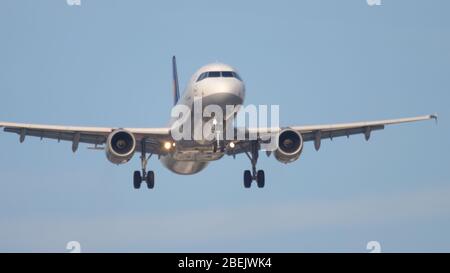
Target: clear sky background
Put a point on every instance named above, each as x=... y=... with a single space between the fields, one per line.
x=107 y=63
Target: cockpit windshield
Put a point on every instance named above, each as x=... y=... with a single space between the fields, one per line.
x=218 y=74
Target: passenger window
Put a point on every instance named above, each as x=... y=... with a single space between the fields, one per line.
x=227 y=74
x=214 y=74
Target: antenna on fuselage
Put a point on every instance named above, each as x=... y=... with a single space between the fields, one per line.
x=176 y=88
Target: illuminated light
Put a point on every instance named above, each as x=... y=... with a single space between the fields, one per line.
x=167 y=145
x=232 y=145
x=173 y=144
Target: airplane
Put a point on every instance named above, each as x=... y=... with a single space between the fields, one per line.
x=216 y=84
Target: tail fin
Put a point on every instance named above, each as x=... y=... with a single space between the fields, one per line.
x=176 y=89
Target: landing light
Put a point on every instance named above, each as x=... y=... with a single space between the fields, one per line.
x=168 y=145
x=232 y=145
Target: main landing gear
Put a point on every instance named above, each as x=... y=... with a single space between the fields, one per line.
x=254 y=175
x=147 y=177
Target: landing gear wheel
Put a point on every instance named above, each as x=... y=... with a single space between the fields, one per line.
x=137 y=179
x=150 y=179
x=247 y=179
x=260 y=179
x=147 y=177
x=258 y=176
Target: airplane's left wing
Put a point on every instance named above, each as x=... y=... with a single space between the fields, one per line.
x=153 y=137
x=317 y=133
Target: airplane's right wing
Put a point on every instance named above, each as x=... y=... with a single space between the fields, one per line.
x=153 y=137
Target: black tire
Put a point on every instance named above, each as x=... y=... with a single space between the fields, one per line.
x=137 y=179
x=247 y=179
x=260 y=179
x=150 y=179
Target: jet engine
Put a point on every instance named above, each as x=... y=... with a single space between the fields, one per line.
x=120 y=146
x=290 y=146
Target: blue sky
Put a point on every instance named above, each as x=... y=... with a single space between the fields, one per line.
x=107 y=63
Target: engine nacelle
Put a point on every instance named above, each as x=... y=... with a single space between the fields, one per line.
x=120 y=146
x=290 y=146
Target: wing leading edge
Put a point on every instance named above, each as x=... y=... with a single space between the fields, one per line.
x=318 y=132
x=89 y=135
x=153 y=137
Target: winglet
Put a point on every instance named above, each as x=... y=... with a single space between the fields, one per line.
x=176 y=89
x=435 y=117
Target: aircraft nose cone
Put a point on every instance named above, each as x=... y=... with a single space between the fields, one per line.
x=222 y=99
x=230 y=91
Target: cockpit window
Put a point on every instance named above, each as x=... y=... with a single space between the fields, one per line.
x=236 y=76
x=214 y=74
x=217 y=74
x=202 y=76
x=227 y=74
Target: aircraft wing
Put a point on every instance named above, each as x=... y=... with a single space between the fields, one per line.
x=91 y=135
x=154 y=137
x=318 y=132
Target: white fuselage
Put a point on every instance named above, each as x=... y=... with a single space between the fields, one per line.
x=223 y=89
